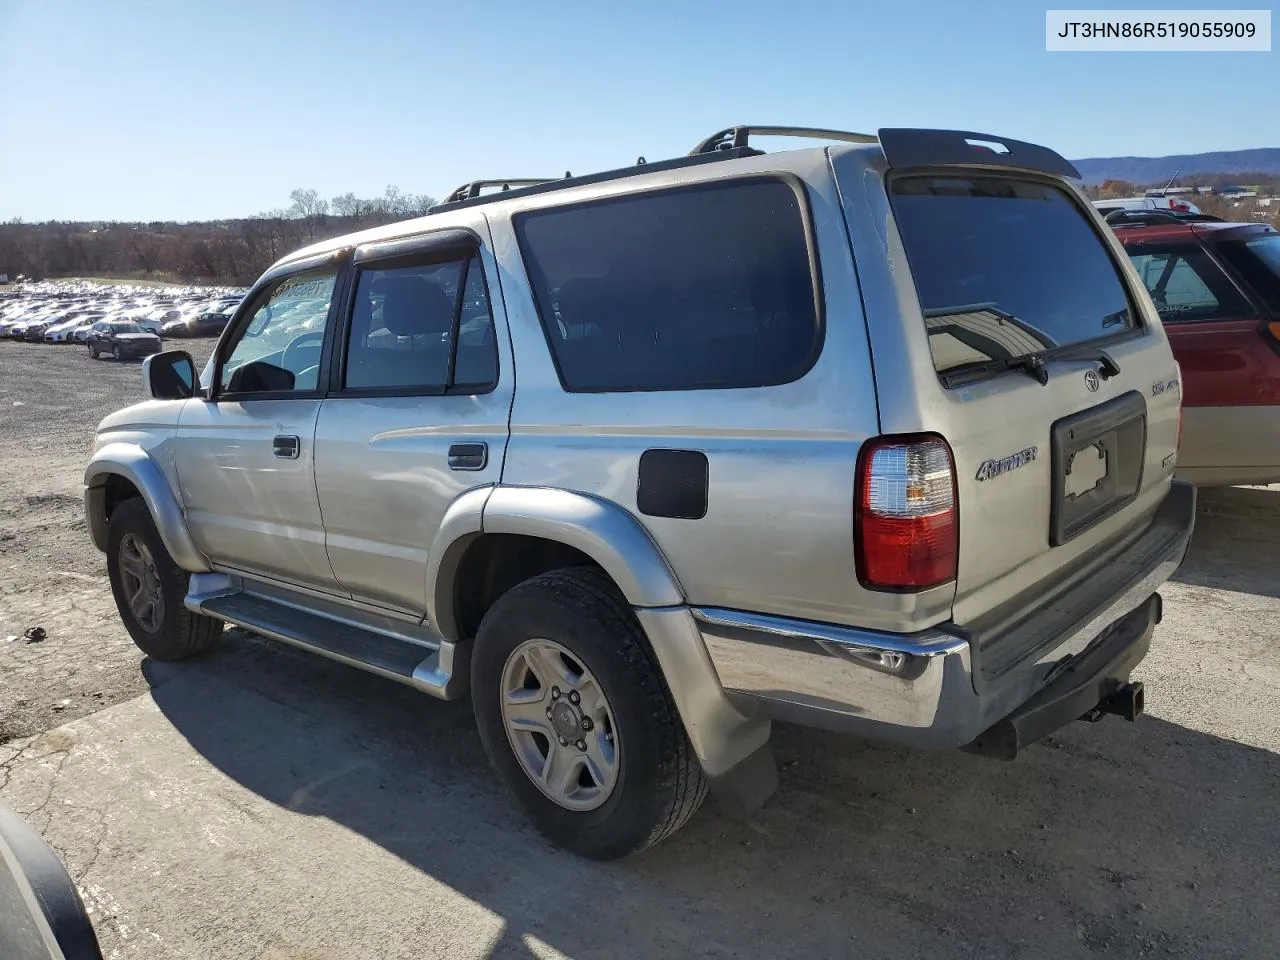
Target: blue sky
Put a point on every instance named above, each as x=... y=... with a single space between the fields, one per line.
x=120 y=109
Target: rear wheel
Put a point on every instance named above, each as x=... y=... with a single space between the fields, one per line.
x=575 y=715
x=149 y=588
x=93 y=351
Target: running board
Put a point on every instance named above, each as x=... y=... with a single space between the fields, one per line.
x=440 y=673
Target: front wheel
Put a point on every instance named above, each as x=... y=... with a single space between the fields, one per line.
x=149 y=588
x=574 y=713
x=93 y=352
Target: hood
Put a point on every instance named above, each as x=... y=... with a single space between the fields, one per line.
x=135 y=336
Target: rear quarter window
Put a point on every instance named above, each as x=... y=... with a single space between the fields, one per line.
x=703 y=287
x=1004 y=268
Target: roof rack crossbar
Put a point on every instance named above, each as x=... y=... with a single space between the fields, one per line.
x=740 y=136
x=469 y=190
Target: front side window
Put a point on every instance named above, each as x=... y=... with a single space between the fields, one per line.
x=1185 y=284
x=280 y=347
x=703 y=287
x=403 y=327
x=1005 y=268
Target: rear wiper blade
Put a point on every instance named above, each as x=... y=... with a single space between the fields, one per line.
x=1107 y=366
x=1031 y=364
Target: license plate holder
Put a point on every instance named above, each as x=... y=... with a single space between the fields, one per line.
x=1098 y=457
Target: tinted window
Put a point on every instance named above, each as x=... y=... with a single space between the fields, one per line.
x=1185 y=284
x=1258 y=262
x=705 y=287
x=402 y=327
x=1005 y=268
x=280 y=347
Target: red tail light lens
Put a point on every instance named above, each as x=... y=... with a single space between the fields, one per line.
x=906 y=525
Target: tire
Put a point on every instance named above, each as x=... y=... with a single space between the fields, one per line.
x=179 y=633
x=93 y=352
x=659 y=782
x=115 y=352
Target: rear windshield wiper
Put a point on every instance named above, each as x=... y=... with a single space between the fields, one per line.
x=1031 y=364
x=1107 y=366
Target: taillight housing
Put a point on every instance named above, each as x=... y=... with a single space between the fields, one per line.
x=906 y=521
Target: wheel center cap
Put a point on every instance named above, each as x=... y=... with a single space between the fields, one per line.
x=565 y=720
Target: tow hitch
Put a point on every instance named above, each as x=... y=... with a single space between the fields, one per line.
x=1126 y=702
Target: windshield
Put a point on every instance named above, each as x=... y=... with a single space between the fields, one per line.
x=1258 y=261
x=1005 y=268
x=126 y=328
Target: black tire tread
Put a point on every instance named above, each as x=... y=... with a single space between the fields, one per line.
x=588 y=590
x=187 y=633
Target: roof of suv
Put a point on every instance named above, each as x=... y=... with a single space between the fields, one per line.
x=1208 y=231
x=900 y=147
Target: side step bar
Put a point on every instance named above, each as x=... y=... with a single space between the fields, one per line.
x=440 y=673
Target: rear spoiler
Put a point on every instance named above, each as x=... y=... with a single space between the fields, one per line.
x=905 y=147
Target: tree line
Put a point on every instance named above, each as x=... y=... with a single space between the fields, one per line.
x=233 y=252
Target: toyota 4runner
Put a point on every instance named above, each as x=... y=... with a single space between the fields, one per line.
x=876 y=436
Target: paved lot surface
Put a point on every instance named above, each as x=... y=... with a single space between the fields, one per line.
x=263 y=803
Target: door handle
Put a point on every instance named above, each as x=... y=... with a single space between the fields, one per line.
x=286 y=447
x=468 y=456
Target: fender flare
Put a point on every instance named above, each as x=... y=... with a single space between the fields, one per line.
x=604 y=531
x=130 y=461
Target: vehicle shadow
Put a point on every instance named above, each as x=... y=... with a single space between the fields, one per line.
x=1236 y=545
x=1123 y=839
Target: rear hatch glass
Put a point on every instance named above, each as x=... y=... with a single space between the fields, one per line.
x=1005 y=269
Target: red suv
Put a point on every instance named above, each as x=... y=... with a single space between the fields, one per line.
x=1216 y=286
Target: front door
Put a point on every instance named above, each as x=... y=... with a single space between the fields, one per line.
x=246 y=453
x=419 y=410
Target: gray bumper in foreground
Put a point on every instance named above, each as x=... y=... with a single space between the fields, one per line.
x=938 y=688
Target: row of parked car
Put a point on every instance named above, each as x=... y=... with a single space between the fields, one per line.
x=119 y=321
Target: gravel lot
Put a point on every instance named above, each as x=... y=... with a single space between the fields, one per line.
x=263 y=803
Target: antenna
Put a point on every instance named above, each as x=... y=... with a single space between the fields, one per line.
x=1170 y=183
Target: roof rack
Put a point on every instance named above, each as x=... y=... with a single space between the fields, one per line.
x=459 y=197
x=735 y=138
x=469 y=191
x=1133 y=218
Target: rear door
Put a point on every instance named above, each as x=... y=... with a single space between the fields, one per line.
x=1211 y=325
x=1058 y=457
x=419 y=409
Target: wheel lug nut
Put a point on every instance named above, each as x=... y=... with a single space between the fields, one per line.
x=548 y=712
x=586 y=723
x=564 y=742
x=582 y=744
x=573 y=696
x=555 y=693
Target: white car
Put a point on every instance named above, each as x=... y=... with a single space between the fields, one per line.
x=1174 y=204
x=62 y=332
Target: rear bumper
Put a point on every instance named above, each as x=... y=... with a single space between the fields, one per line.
x=947 y=686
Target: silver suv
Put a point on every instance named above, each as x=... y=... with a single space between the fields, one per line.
x=876 y=436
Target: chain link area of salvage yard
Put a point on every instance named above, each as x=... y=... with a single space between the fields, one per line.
x=261 y=802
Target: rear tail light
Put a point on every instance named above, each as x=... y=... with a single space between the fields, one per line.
x=1274 y=329
x=906 y=528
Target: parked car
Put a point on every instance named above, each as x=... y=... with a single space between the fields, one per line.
x=928 y=501
x=206 y=323
x=1216 y=286
x=61 y=331
x=121 y=339
x=1175 y=203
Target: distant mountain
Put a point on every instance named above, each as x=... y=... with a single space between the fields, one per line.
x=1151 y=170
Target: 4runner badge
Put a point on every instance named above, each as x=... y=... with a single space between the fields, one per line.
x=994 y=468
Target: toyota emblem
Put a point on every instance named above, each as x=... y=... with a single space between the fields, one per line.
x=1091 y=381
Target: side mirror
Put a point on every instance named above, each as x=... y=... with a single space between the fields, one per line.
x=170 y=375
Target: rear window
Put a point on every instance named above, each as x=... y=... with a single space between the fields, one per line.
x=696 y=288
x=1005 y=268
x=1258 y=262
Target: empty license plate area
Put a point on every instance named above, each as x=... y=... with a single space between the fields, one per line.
x=1098 y=455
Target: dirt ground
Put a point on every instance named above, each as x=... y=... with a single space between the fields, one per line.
x=262 y=803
